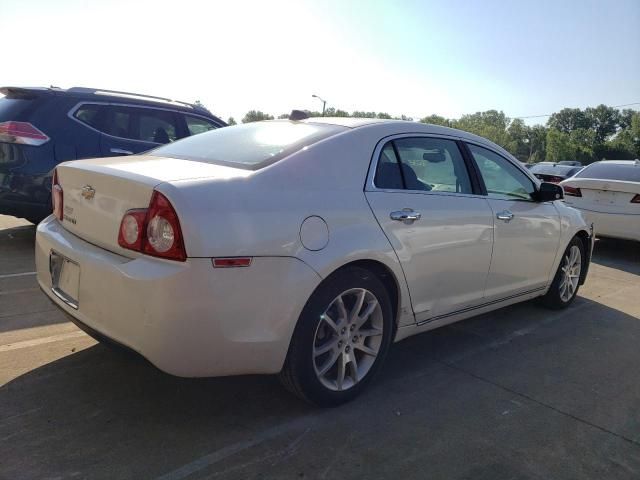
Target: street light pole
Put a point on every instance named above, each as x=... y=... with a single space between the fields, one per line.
x=324 y=102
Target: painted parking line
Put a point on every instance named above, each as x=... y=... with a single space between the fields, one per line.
x=41 y=341
x=11 y=275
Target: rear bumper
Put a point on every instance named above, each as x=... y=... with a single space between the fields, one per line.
x=186 y=318
x=25 y=195
x=614 y=225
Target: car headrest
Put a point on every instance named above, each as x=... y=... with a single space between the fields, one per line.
x=434 y=157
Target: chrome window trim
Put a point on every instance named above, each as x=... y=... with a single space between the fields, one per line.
x=76 y=107
x=370 y=183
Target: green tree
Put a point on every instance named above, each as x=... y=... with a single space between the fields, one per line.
x=436 y=120
x=383 y=115
x=282 y=116
x=568 y=119
x=559 y=146
x=256 y=116
x=490 y=124
x=231 y=121
x=603 y=121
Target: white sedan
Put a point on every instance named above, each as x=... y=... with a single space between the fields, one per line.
x=608 y=194
x=303 y=248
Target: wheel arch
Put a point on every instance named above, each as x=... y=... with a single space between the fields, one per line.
x=385 y=275
x=586 y=240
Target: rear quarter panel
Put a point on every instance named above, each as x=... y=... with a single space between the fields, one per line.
x=261 y=214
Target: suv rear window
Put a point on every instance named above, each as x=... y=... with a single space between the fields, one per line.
x=250 y=146
x=611 y=171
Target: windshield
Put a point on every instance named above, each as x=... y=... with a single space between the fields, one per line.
x=250 y=146
x=612 y=171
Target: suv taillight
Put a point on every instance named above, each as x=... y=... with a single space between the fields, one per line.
x=57 y=197
x=572 y=191
x=636 y=199
x=23 y=133
x=155 y=230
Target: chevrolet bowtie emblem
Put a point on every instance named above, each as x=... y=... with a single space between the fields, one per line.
x=88 y=192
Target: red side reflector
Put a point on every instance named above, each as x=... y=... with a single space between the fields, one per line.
x=231 y=262
x=572 y=191
x=636 y=199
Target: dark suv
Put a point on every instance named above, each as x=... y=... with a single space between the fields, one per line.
x=41 y=127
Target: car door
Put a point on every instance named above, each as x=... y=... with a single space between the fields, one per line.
x=429 y=205
x=526 y=232
x=131 y=130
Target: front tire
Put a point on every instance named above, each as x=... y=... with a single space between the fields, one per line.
x=566 y=283
x=341 y=339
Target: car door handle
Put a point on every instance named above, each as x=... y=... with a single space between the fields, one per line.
x=121 y=151
x=406 y=215
x=505 y=216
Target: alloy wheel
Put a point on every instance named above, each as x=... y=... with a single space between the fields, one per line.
x=571 y=268
x=347 y=339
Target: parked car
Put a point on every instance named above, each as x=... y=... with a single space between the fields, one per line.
x=554 y=173
x=570 y=163
x=302 y=247
x=608 y=194
x=41 y=127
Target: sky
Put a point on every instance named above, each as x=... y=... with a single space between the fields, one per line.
x=417 y=58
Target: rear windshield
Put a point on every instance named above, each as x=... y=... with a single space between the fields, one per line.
x=560 y=170
x=612 y=171
x=250 y=146
x=12 y=108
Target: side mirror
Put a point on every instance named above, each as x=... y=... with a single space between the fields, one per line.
x=548 y=192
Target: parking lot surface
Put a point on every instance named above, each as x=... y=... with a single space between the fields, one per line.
x=521 y=393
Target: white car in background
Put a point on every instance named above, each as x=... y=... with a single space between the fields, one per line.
x=303 y=248
x=608 y=194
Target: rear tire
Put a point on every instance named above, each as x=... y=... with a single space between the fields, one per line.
x=566 y=283
x=341 y=339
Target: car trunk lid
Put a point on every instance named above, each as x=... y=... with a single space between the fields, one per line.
x=604 y=196
x=98 y=192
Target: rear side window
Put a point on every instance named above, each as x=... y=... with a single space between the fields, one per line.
x=611 y=171
x=388 y=174
x=90 y=114
x=119 y=122
x=197 y=125
x=250 y=146
x=426 y=164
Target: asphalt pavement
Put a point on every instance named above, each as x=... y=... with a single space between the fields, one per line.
x=520 y=393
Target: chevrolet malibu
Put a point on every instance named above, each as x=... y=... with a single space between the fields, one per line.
x=302 y=248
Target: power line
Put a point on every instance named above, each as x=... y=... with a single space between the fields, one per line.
x=549 y=114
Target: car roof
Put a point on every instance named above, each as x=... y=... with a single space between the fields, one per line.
x=392 y=127
x=620 y=162
x=98 y=94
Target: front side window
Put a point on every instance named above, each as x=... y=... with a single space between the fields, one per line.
x=197 y=125
x=502 y=179
x=425 y=164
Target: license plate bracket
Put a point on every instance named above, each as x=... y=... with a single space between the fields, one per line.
x=65 y=278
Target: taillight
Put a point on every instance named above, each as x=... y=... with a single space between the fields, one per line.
x=155 y=231
x=572 y=191
x=57 y=197
x=132 y=229
x=636 y=199
x=21 y=132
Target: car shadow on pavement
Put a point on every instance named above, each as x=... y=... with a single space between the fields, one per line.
x=619 y=254
x=107 y=414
